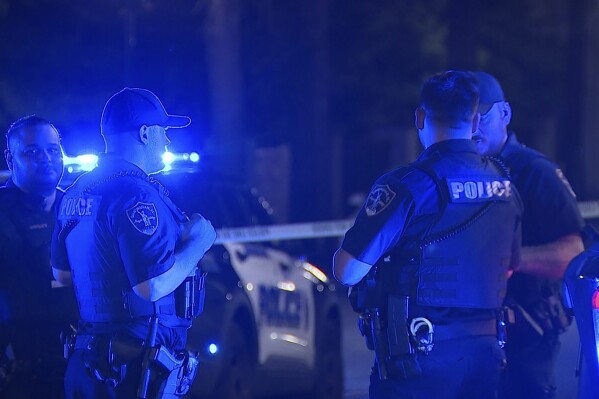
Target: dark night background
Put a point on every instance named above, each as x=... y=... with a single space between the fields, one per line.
x=310 y=100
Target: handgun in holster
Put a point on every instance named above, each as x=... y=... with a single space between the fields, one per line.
x=364 y=297
x=383 y=323
x=558 y=318
x=68 y=336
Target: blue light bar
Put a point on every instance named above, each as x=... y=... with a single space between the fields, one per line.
x=87 y=162
x=80 y=163
x=212 y=348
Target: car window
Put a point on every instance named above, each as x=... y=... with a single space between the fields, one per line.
x=224 y=203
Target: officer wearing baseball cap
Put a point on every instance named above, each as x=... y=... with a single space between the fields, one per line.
x=551 y=226
x=131 y=108
x=129 y=251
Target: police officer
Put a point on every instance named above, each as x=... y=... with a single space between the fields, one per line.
x=33 y=308
x=436 y=240
x=130 y=253
x=551 y=228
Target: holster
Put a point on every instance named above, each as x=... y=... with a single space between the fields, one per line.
x=96 y=357
x=551 y=314
x=106 y=357
x=68 y=336
x=399 y=337
x=384 y=324
x=364 y=325
x=124 y=349
x=395 y=353
x=190 y=296
x=179 y=372
x=547 y=316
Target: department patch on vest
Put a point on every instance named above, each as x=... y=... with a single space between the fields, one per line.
x=379 y=198
x=143 y=217
x=479 y=189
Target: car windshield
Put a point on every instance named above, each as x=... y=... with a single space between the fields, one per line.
x=223 y=202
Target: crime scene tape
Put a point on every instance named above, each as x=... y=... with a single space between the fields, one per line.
x=589 y=209
x=322 y=229
x=293 y=231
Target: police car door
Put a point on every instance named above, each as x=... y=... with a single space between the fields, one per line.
x=282 y=301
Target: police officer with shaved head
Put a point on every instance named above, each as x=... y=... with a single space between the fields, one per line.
x=429 y=254
x=33 y=307
x=133 y=258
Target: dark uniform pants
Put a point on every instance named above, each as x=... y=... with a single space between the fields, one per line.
x=461 y=368
x=530 y=371
x=80 y=383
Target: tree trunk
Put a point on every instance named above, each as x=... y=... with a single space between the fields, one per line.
x=222 y=31
x=590 y=119
x=463 y=30
x=316 y=160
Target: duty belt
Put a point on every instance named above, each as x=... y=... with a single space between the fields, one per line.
x=85 y=341
x=465 y=329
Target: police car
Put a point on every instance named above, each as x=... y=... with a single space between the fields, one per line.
x=271 y=323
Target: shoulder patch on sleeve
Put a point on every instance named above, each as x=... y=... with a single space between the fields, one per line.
x=379 y=198
x=144 y=217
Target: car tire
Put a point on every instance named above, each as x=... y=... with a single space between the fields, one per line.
x=329 y=381
x=235 y=379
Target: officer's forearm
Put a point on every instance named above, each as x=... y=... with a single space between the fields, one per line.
x=347 y=269
x=550 y=260
x=186 y=259
x=62 y=276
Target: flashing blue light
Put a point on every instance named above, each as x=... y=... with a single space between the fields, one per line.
x=85 y=162
x=168 y=158
x=212 y=348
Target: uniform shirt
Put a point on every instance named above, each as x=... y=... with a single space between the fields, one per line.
x=126 y=234
x=550 y=210
x=550 y=204
x=405 y=202
x=32 y=312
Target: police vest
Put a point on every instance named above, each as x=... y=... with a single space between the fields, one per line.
x=463 y=258
x=113 y=301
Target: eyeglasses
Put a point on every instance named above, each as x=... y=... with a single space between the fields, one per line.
x=487 y=115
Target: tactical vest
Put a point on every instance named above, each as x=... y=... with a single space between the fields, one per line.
x=463 y=258
x=97 y=296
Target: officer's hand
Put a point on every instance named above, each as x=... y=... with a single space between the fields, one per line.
x=198 y=231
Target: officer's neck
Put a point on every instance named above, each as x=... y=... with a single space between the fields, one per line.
x=132 y=154
x=129 y=148
x=438 y=135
